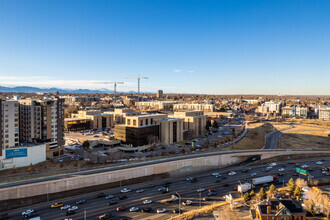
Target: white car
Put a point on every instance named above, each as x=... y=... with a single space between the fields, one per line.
x=232 y=173
x=72 y=208
x=200 y=190
x=215 y=174
x=147 y=201
x=319 y=162
x=139 y=190
x=269 y=167
x=161 y=210
x=253 y=174
x=125 y=190
x=27 y=212
x=304 y=166
x=281 y=169
x=272 y=164
x=187 y=202
x=65 y=207
x=134 y=209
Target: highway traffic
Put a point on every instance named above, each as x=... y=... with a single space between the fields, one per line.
x=182 y=187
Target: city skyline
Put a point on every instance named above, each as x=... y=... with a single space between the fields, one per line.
x=203 y=47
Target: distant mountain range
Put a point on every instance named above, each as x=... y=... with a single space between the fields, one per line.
x=29 y=89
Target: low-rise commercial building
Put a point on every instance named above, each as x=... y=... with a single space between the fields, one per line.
x=194 y=122
x=194 y=107
x=120 y=114
x=97 y=119
x=324 y=113
x=170 y=130
x=160 y=105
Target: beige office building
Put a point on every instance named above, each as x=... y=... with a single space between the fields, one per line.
x=120 y=114
x=194 y=107
x=161 y=105
x=170 y=130
x=9 y=124
x=193 y=121
x=98 y=120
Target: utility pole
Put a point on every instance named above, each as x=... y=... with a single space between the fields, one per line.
x=114 y=85
x=138 y=78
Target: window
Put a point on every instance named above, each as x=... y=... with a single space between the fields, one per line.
x=134 y=122
x=141 y=122
x=128 y=121
x=147 y=121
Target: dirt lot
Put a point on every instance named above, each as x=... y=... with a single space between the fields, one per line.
x=254 y=139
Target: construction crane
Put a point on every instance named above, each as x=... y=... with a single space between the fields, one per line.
x=114 y=85
x=138 y=78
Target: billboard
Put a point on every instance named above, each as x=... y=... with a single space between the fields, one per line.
x=13 y=153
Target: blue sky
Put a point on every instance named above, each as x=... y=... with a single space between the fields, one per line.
x=205 y=46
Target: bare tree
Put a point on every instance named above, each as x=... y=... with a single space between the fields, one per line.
x=301 y=183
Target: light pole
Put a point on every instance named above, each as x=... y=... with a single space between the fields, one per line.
x=179 y=203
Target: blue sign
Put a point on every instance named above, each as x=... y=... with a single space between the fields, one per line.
x=13 y=153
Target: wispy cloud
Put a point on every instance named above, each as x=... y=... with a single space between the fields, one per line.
x=190 y=71
x=177 y=71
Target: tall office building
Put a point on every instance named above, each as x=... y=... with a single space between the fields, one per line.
x=160 y=94
x=9 y=124
x=42 y=121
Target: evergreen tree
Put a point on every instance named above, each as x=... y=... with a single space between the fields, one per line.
x=252 y=194
x=272 y=189
x=297 y=192
x=262 y=193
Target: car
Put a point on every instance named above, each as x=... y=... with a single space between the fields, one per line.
x=134 y=209
x=70 y=212
x=163 y=190
x=147 y=201
x=167 y=184
x=125 y=190
x=217 y=180
x=272 y=164
x=150 y=186
x=207 y=198
x=56 y=205
x=65 y=207
x=4 y=216
x=281 y=169
x=218 y=176
x=232 y=173
x=225 y=185
x=269 y=168
x=81 y=201
x=139 y=190
x=215 y=174
x=112 y=202
x=31 y=215
x=191 y=179
x=109 y=197
x=223 y=177
x=100 y=195
x=200 y=190
x=146 y=209
x=73 y=207
x=105 y=216
x=177 y=210
x=187 y=202
x=291 y=162
x=211 y=190
x=212 y=194
x=295 y=174
x=254 y=159
x=280 y=174
x=26 y=212
x=162 y=210
x=319 y=162
x=121 y=208
x=253 y=174
x=245 y=171
x=304 y=166
x=122 y=197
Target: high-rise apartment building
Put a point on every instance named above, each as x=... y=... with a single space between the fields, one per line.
x=9 y=124
x=42 y=121
x=159 y=94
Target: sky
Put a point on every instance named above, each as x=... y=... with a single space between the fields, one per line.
x=183 y=46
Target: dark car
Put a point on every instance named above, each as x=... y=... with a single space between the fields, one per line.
x=121 y=208
x=100 y=195
x=207 y=198
x=4 y=216
x=146 y=209
x=192 y=180
x=177 y=210
x=150 y=186
x=244 y=171
x=223 y=177
x=81 y=201
x=31 y=215
x=122 y=197
x=217 y=180
x=112 y=202
x=225 y=185
x=212 y=194
x=167 y=184
x=70 y=212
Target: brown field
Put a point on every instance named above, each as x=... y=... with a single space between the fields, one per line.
x=254 y=139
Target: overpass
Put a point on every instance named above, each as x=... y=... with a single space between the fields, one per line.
x=175 y=166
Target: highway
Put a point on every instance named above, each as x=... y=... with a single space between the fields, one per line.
x=97 y=206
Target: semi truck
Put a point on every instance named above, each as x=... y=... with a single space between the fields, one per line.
x=256 y=181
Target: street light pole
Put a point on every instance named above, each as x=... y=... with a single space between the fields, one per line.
x=179 y=203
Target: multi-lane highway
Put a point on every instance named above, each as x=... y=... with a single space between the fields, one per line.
x=96 y=206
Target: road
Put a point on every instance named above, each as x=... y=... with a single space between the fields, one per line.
x=97 y=206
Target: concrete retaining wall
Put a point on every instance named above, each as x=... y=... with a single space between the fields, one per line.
x=174 y=168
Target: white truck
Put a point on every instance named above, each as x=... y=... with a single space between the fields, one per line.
x=256 y=181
